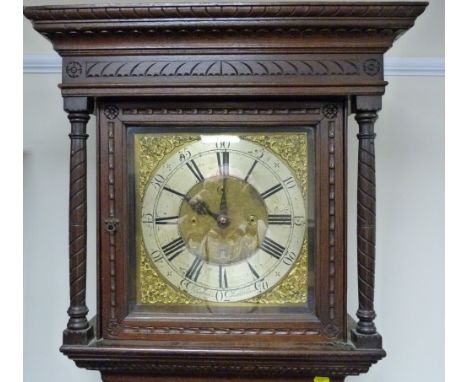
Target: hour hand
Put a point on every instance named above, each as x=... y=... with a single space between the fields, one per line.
x=200 y=207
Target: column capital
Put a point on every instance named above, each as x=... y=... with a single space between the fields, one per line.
x=363 y=103
x=78 y=105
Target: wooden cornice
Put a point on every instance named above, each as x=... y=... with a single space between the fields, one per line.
x=317 y=26
x=288 y=48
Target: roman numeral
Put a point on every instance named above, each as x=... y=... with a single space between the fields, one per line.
x=174 y=192
x=173 y=249
x=222 y=277
x=280 y=219
x=250 y=171
x=194 y=270
x=167 y=220
x=272 y=248
x=271 y=191
x=252 y=269
x=223 y=163
x=195 y=170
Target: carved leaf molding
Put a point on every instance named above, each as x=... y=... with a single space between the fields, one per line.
x=217 y=68
x=247 y=11
x=211 y=368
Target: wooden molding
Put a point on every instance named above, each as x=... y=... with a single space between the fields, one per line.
x=178 y=21
x=188 y=47
x=393 y=66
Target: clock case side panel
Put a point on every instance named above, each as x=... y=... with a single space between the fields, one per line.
x=111 y=221
x=331 y=225
x=116 y=318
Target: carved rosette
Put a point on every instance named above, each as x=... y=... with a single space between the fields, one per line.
x=111 y=111
x=73 y=69
x=371 y=67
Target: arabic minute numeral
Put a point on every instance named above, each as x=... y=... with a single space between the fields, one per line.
x=184 y=284
x=156 y=256
x=157 y=181
x=289 y=182
x=147 y=218
x=299 y=220
x=258 y=153
x=184 y=155
x=221 y=296
x=289 y=258
x=223 y=145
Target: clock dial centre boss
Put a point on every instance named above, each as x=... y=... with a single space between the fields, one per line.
x=223 y=219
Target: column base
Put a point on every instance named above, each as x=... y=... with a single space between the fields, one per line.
x=78 y=337
x=366 y=341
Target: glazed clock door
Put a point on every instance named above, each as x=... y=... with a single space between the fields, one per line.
x=225 y=215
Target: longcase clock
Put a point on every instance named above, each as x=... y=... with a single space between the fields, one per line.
x=221 y=139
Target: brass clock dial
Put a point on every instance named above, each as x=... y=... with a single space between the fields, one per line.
x=223 y=219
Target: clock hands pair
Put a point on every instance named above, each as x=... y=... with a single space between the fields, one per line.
x=201 y=208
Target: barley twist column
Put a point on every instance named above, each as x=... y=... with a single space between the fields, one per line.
x=78 y=329
x=365 y=334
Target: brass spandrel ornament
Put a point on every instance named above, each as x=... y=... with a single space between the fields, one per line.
x=152 y=152
x=292 y=148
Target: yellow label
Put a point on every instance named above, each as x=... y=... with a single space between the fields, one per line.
x=321 y=379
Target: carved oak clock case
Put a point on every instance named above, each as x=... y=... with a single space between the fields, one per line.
x=221 y=140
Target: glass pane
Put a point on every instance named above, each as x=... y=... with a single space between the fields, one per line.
x=222 y=219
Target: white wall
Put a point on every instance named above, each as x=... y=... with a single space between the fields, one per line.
x=410 y=217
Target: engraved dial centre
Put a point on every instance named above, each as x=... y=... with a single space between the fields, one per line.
x=230 y=235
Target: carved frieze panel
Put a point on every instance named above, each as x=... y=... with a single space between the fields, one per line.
x=204 y=70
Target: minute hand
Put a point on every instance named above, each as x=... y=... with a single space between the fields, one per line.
x=223 y=203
